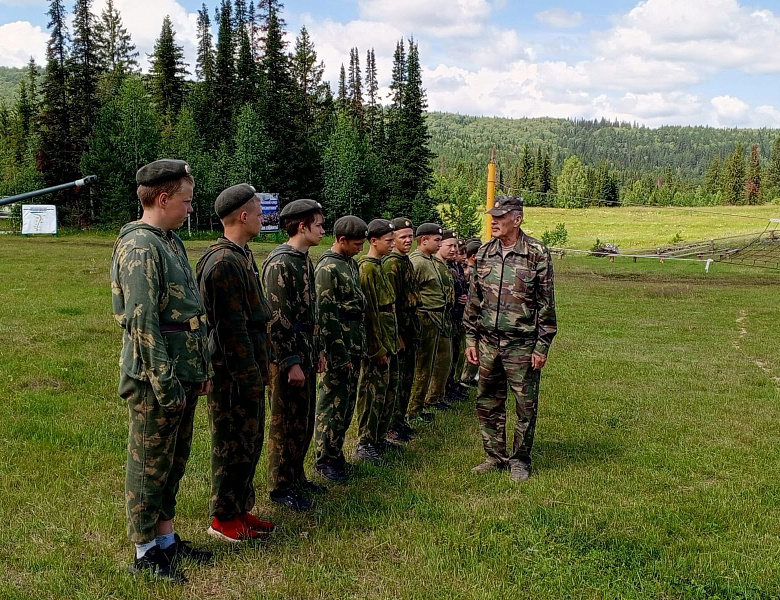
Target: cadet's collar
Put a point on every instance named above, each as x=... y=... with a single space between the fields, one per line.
x=521 y=247
x=245 y=249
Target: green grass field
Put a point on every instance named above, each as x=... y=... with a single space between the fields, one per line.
x=657 y=452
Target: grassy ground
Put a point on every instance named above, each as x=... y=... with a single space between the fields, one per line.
x=656 y=458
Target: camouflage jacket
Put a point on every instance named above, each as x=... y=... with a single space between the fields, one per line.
x=157 y=304
x=341 y=307
x=430 y=291
x=512 y=299
x=237 y=313
x=400 y=273
x=461 y=289
x=288 y=282
x=381 y=324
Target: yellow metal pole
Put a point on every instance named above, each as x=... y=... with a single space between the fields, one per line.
x=491 y=195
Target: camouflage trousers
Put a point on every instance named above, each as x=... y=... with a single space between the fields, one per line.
x=335 y=408
x=457 y=355
x=158 y=447
x=377 y=390
x=291 y=428
x=497 y=368
x=237 y=423
x=407 y=361
x=423 y=371
x=441 y=371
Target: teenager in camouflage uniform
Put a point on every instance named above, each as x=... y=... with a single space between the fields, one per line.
x=341 y=308
x=400 y=273
x=454 y=389
x=378 y=384
x=238 y=320
x=288 y=283
x=164 y=364
x=511 y=324
x=442 y=363
x=468 y=376
x=430 y=315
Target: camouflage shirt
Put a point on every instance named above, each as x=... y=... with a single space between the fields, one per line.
x=158 y=305
x=461 y=289
x=237 y=312
x=400 y=273
x=430 y=292
x=381 y=324
x=341 y=306
x=288 y=282
x=512 y=298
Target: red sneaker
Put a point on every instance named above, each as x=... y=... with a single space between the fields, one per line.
x=257 y=524
x=234 y=531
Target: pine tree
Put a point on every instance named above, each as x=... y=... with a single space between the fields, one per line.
x=355 y=90
x=225 y=71
x=394 y=147
x=115 y=49
x=307 y=73
x=712 y=176
x=343 y=100
x=373 y=108
x=204 y=66
x=772 y=175
x=733 y=177
x=753 y=183
x=247 y=83
x=167 y=73
x=240 y=15
x=526 y=175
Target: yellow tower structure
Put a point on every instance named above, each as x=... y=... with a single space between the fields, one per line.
x=491 y=195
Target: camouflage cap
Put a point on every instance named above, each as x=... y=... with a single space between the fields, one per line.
x=428 y=229
x=299 y=208
x=162 y=171
x=233 y=198
x=380 y=227
x=402 y=223
x=448 y=234
x=504 y=204
x=472 y=247
x=353 y=228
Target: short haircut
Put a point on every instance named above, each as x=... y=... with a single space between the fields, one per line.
x=147 y=194
x=290 y=224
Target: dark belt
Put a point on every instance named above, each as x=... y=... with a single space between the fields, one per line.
x=262 y=329
x=436 y=310
x=352 y=315
x=192 y=325
x=303 y=328
x=387 y=308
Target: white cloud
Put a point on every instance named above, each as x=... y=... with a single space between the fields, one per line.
x=559 y=17
x=22 y=2
x=19 y=41
x=439 y=18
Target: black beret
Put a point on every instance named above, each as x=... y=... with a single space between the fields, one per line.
x=461 y=243
x=472 y=247
x=402 y=223
x=448 y=234
x=504 y=204
x=161 y=171
x=233 y=198
x=428 y=229
x=299 y=208
x=379 y=227
x=354 y=228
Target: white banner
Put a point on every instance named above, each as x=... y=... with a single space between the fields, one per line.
x=39 y=218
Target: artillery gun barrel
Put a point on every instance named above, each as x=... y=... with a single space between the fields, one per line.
x=89 y=179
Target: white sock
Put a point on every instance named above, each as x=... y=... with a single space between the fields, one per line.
x=141 y=549
x=165 y=541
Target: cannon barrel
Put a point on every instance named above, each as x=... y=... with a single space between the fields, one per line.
x=89 y=179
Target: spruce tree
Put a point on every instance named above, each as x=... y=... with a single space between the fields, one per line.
x=342 y=98
x=167 y=73
x=355 y=90
x=753 y=183
x=712 y=176
x=307 y=73
x=373 y=108
x=733 y=177
x=394 y=148
x=246 y=71
x=115 y=49
x=204 y=65
x=772 y=174
x=225 y=71
x=526 y=177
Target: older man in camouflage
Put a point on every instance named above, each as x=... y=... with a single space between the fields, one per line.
x=341 y=308
x=510 y=325
x=164 y=365
x=238 y=317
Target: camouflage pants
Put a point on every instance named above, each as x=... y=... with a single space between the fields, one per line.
x=497 y=367
x=457 y=354
x=407 y=360
x=441 y=371
x=423 y=371
x=377 y=389
x=335 y=408
x=158 y=447
x=237 y=425
x=291 y=429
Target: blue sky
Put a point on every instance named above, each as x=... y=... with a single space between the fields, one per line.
x=656 y=62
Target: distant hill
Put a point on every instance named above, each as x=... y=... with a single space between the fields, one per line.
x=626 y=147
x=9 y=81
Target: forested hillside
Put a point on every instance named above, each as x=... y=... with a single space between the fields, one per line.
x=9 y=82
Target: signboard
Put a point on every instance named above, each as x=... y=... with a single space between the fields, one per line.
x=39 y=218
x=270 y=206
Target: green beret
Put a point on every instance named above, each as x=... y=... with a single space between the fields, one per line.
x=472 y=247
x=162 y=171
x=428 y=229
x=233 y=198
x=300 y=208
x=353 y=228
x=504 y=204
x=402 y=223
x=447 y=234
x=379 y=228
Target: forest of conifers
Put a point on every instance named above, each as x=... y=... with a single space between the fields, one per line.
x=254 y=109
